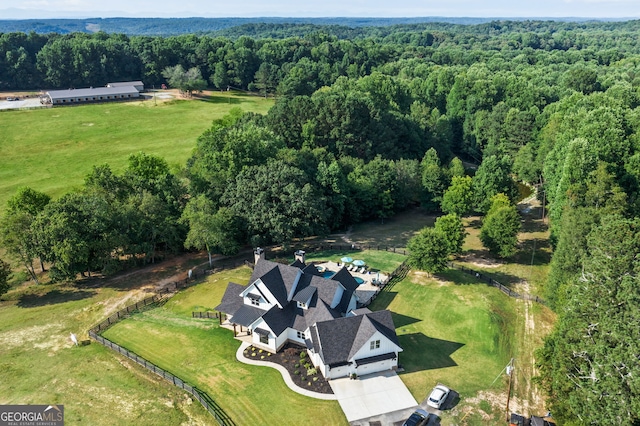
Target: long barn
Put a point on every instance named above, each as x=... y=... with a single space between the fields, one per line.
x=97 y=94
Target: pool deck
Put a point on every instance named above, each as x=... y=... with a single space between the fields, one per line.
x=366 y=291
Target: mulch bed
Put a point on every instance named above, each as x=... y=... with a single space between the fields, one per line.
x=289 y=358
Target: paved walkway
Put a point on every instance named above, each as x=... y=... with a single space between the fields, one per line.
x=372 y=395
x=285 y=375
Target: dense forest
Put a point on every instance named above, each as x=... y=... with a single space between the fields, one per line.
x=368 y=126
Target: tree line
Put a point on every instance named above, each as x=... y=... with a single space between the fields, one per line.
x=367 y=127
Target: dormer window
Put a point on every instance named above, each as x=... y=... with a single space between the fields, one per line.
x=375 y=344
x=254 y=299
x=302 y=305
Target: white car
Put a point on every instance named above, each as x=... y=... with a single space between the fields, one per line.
x=438 y=396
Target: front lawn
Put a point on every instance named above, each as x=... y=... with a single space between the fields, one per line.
x=203 y=354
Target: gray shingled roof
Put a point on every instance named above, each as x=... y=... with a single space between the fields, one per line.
x=305 y=294
x=326 y=288
x=246 y=315
x=319 y=311
x=273 y=281
x=346 y=279
x=231 y=300
x=339 y=340
x=280 y=319
x=91 y=92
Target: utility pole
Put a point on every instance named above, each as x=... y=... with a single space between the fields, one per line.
x=509 y=373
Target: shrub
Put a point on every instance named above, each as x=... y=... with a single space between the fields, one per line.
x=303 y=354
x=311 y=371
x=262 y=357
x=296 y=372
x=309 y=384
x=290 y=351
x=297 y=365
x=253 y=354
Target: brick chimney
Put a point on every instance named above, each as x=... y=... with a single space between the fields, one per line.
x=299 y=255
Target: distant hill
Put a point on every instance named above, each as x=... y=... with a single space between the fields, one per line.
x=176 y=26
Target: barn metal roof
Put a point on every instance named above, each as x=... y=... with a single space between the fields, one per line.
x=93 y=91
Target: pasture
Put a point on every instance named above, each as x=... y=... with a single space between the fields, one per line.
x=53 y=149
x=40 y=365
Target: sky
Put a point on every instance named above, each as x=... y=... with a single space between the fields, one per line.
x=23 y=9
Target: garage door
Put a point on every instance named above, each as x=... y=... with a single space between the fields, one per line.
x=338 y=372
x=374 y=367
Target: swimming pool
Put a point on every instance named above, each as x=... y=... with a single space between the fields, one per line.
x=327 y=274
x=359 y=280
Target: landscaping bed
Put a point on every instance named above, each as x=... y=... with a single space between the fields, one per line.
x=299 y=366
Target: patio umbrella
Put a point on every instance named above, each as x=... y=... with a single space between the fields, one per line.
x=346 y=259
x=359 y=262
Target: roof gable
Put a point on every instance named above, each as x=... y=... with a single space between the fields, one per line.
x=340 y=339
x=231 y=300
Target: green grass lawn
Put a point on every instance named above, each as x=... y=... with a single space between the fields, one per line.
x=453 y=330
x=203 y=354
x=53 y=149
x=39 y=364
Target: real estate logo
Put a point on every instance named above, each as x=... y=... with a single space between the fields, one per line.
x=31 y=415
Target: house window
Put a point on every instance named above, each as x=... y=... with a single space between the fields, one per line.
x=264 y=339
x=375 y=345
x=301 y=335
x=255 y=302
x=302 y=305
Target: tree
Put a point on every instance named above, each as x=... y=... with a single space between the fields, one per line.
x=427 y=251
x=187 y=81
x=277 y=202
x=458 y=198
x=452 y=231
x=433 y=177
x=492 y=178
x=5 y=272
x=16 y=227
x=587 y=365
x=211 y=230
x=500 y=227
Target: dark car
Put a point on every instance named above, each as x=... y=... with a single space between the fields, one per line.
x=418 y=418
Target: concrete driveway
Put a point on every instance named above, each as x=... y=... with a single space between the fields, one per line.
x=372 y=395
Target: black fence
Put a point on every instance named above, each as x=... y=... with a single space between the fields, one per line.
x=206 y=314
x=490 y=281
x=152 y=302
x=207 y=402
x=350 y=247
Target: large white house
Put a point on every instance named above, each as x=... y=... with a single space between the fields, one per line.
x=295 y=303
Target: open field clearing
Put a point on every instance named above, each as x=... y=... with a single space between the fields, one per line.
x=53 y=149
x=39 y=364
x=203 y=354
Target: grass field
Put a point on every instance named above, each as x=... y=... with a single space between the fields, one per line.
x=454 y=330
x=53 y=149
x=202 y=353
x=39 y=364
